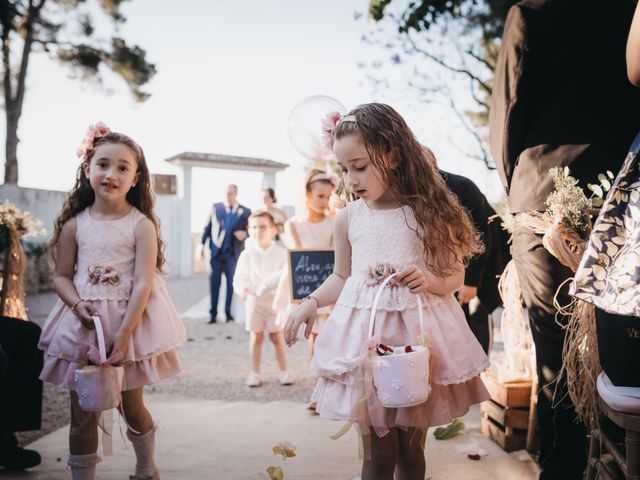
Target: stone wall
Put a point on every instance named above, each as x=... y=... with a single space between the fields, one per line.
x=46 y=204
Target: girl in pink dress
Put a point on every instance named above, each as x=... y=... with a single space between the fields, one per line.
x=406 y=221
x=313 y=230
x=108 y=255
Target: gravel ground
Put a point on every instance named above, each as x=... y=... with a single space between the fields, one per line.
x=215 y=362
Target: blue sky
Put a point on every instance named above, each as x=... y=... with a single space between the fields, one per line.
x=229 y=73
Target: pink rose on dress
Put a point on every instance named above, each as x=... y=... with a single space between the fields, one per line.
x=377 y=272
x=101 y=274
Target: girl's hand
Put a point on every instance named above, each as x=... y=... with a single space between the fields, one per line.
x=84 y=311
x=466 y=294
x=306 y=312
x=121 y=343
x=412 y=277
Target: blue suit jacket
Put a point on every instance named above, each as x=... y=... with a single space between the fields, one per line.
x=216 y=230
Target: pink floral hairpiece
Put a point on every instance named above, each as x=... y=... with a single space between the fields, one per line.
x=329 y=123
x=93 y=133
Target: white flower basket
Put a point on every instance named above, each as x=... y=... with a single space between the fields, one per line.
x=99 y=386
x=401 y=379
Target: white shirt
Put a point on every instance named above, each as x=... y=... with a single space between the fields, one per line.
x=258 y=270
x=231 y=208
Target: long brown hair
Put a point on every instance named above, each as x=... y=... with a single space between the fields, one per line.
x=444 y=227
x=82 y=195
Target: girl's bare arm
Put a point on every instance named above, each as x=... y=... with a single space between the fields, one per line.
x=329 y=291
x=144 y=271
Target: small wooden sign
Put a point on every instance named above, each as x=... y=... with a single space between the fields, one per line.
x=164 y=184
x=308 y=268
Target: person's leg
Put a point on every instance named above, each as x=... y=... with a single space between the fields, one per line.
x=411 y=463
x=384 y=456
x=311 y=342
x=215 y=279
x=139 y=419
x=229 y=272
x=22 y=410
x=255 y=350
x=562 y=439
x=278 y=347
x=20 y=365
x=83 y=442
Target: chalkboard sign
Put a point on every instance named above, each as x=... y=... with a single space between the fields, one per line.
x=307 y=270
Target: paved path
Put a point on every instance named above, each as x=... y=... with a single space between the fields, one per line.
x=208 y=439
x=213 y=427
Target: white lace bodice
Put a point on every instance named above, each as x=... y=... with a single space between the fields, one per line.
x=381 y=236
x=110 y=245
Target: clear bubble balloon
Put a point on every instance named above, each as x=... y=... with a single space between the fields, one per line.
x=305 y=130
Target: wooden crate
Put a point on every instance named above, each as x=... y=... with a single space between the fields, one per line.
x=512 y=394
x=505 y=418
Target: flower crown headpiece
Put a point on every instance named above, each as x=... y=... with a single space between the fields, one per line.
x=93 y=133
x=329 y=123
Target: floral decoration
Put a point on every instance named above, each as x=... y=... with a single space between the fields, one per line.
x=329 y=123
x=102 y=274
x=23 y=223
x=285 y=450
x=93 y=132
x=378 y=271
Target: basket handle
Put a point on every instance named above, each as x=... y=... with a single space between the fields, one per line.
x=100 y=334
x=374 y=307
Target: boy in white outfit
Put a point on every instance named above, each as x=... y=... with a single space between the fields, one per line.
x=256 y=278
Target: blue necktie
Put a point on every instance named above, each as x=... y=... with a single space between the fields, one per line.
x=229 y=221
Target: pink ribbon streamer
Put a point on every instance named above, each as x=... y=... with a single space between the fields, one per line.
x=93 y=355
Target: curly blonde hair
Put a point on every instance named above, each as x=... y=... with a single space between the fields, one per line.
x=443 y=226
x=82 y=195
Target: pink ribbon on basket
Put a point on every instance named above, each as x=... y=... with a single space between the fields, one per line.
x=93 y=355
x=104 y=420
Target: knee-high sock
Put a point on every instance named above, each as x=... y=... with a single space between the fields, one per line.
x=83 y=467
x=144 y=446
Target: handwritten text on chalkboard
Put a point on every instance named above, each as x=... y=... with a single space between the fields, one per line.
x=308 y=269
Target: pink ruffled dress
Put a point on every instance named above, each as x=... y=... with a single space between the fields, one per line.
x=152 y=356
x=457 y=359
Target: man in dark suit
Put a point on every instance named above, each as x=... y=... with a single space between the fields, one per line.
x=20 y=390
x=226 y=233
x=481 y=275
x=560 y=98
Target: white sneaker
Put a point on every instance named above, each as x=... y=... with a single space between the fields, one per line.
x=253 y=380
x=284 y=379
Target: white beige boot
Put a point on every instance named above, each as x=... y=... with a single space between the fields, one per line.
x=83 y=467
x=144 y=446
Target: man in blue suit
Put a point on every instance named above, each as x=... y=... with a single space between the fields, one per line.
x=226 y=233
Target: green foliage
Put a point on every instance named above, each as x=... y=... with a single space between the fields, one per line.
x=376 y=9
x=65 y=30
x=439 y=44
x=451 y=430
x=488 y=15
